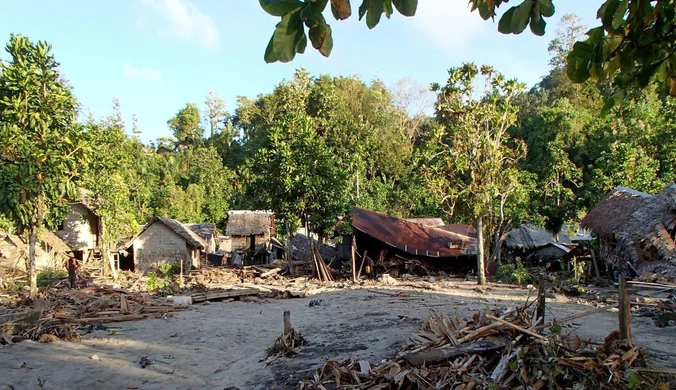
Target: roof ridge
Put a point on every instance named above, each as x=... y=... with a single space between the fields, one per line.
x=632 y=191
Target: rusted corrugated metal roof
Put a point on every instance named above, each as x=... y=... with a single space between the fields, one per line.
x=460 y=228
x=412 y=237
x=433 y=222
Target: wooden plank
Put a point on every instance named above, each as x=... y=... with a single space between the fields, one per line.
x=271 y=272
x=223 y=294
x=436 y=355
x=651 y=285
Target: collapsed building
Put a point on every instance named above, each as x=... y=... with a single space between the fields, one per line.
x=637 y=229
x=400 y=245
x=51 y=251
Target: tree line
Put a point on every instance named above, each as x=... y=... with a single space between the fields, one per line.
x=493 y=153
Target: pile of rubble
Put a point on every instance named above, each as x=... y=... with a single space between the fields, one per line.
x=492 y=350
x=62 y=313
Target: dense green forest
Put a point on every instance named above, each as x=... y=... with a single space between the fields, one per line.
x=318 y=144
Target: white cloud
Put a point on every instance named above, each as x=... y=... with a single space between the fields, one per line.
x=182 y=19
x=149 y=75
x=447 y=23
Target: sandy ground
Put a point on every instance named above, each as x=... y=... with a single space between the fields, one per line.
x=221 y=345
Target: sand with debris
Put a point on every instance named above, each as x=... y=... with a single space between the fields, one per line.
x=221 y=345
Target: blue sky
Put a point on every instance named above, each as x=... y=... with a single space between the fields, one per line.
x=156 y=55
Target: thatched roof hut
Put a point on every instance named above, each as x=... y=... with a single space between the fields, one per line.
x=53 y=241
x=246 y=223
x=182 y=230
x=529 y=237
x=207 y=232
x=652 y=226
x=638 y=227
x=614 y=210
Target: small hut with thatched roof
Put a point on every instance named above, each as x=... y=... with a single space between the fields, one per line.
x=638 y=228
x=250 y=230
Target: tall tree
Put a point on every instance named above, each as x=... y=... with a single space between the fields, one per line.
x=216 y=113
x=472 y=162
x=186 y=125
x=43 y=147
x=112 y=158
x=299 y=177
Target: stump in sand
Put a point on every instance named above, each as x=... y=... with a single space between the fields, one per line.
x=289 y=343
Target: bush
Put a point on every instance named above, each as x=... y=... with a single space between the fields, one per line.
x=155 y=283
x=51 y=276
x=169 y=270
x=515 y=273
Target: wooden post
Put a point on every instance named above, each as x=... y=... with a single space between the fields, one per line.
x=287 y=322
x=361 y=265
x=180 y=280
x=481 y=271
x=596 y=265
x=625 y=311
x=354 y=259
x=540 y=314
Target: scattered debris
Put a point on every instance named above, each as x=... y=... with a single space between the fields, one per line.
x=66 y=313
x=145 y=362
x=315 y=302
x=490 y=350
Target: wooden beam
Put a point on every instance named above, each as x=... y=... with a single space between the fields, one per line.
x=201 y=297
x=438 y=354
x=625 y=311
x=287 y=322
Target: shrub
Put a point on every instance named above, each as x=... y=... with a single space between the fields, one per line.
x=515 y=273
x=169 y=270
x=155 y=283
x=50 y=276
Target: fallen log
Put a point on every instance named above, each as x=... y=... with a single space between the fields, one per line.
x=435 y=355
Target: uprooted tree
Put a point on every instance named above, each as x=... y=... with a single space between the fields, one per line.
x=42 y=144
x=636 y=42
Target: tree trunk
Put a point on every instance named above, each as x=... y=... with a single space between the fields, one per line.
x=481 y=270
x=288 y=250
x=496 y=247
x=498 y=242
x=32 y=262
